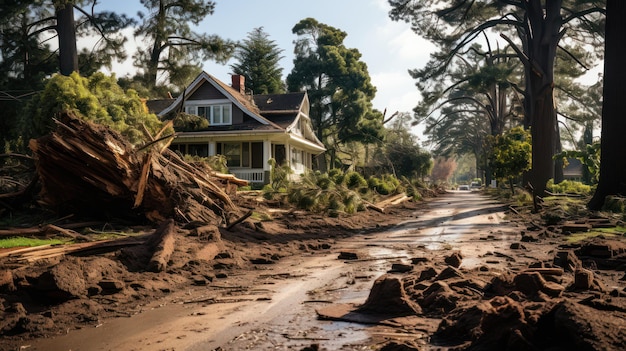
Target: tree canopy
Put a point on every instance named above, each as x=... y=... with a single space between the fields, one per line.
x=258 y=60
x=174 y=48
x=533 y=29
x=337 y=82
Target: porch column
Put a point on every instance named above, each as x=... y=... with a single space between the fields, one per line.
x=212 y=148
x=267 y=154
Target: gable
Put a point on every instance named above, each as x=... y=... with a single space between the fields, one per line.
x=206 y=91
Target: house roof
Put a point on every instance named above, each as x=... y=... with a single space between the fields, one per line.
x=158 y=105
x=279 y=102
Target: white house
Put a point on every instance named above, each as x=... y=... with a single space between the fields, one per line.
x=247 y=129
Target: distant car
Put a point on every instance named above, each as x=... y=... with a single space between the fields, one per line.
x=464 y=187
x=475 y=185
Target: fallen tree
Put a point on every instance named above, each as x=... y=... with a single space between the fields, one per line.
x=89 y=169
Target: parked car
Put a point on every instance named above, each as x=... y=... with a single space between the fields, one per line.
x=464 y=187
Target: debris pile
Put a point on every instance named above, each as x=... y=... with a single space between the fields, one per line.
x=91 y=170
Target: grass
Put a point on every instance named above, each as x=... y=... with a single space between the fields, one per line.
x=21 y=241
x=606 y=232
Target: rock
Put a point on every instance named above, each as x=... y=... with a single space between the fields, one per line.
x=388 y=297
x=347 y=255
x=199 y=280
x=573 y=326
x=63 y=281
x=6 y=280
x=454 y=260
x=583 y=279
x=416 y=260
x=261 y=260
x=207 y=232
x=575 y=227
x=567 y=259
x=111 y=286
x=487 y=325
x=532 y=283
x=427 y=273
x=449 y=272
x=400 y=268
x=517 y=246
x=530 y=238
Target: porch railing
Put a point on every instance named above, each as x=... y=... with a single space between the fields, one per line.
x=252 y=176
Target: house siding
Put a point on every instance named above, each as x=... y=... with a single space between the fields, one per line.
x=206 y=92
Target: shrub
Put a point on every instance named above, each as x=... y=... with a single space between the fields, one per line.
x=568 y=187
x=354 y=180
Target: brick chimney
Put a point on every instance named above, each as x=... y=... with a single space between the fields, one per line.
x=239 y=83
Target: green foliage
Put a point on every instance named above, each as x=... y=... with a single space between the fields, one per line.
x=28 y=242
x=510 y=154
x=97 y=99
x=385 y=185
x=354 y=180
x=258 y=58
x=615 y=204
x=589 y=157
x=318 y=193
x=184 y=122
x=337 y=83
x=569 y=187
x=400 y=152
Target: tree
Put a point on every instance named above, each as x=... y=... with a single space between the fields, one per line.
x=174 y=47
x=337 y=82
x=258 y=58
x=401 y=152
x=538 y=28
x=443 y=169
x=613 y=143
x=27 y=57
x=98 y=99
x=510 y=154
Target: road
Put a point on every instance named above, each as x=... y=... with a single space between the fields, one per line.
x=274 y=307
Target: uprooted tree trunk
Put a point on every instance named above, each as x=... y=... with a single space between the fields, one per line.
x=91 y=170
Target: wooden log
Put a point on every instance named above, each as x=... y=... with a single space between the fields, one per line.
x=163 y=241
x=143 y=179
x=239 y=220
x=546 y=271
x=373 y=207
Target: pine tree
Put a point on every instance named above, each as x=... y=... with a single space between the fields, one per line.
x=258 y=58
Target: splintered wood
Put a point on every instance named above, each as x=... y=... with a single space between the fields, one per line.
x=91 y=170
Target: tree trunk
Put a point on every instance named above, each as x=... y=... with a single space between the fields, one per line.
x=613 y=143
x=66 y=30
x=542 y=40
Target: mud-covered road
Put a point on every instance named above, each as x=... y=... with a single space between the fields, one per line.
x=274 y=306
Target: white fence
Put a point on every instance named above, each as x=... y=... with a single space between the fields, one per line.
x=250 y=175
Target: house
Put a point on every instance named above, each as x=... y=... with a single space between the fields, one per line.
x=573 y=170
x=247 y=129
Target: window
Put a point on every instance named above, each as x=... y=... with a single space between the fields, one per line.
x=232 y=152
x=244 y=155
x=218 y=114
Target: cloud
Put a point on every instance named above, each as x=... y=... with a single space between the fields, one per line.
x=395 y=91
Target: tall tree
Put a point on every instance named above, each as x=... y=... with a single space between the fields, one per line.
x=173 y=45
x=258 y=58
x=534 y=29
x=36 y=17
x=27 y=56
x=613 y=143
x=337 y=82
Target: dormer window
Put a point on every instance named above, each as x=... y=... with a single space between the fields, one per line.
x=216 y=114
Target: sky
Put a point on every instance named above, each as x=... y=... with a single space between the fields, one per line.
x=388 y=48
